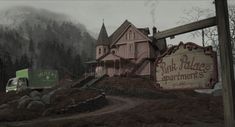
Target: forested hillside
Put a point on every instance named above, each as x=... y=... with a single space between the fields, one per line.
x=35 y=38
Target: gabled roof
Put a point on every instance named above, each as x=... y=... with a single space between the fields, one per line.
x=119 y=30
x=103 y=37
x=123 y=28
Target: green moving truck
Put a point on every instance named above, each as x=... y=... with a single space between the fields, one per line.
x=32 y=79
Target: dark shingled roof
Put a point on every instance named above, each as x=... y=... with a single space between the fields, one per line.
x=103 y=37
x=145 y=31
x=118 y=32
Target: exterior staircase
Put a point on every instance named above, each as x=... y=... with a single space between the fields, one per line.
x=80 y=82
x=92 y=81
x=138 y=65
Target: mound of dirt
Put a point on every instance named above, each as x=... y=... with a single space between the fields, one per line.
x=65 y=97
x=60 y=100
x=11 y=96
x=140 y=87
x=127 y=82
x=73 y=101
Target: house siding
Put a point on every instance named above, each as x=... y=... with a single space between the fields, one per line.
x=142 y=50
x=121 y=50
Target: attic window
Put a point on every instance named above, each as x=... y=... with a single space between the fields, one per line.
x=130 y=34
x=113 y=52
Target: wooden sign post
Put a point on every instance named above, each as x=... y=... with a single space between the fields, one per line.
x=222 y=22
x=226 y=61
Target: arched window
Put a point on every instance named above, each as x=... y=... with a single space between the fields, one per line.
x=113 y=52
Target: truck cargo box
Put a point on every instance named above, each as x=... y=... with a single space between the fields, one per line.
x=40 y=78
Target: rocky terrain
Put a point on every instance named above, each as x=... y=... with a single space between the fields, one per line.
x=60 y=101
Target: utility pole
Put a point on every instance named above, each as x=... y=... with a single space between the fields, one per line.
x=226 y=61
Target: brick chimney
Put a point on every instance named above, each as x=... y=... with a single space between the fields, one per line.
x=154 y=30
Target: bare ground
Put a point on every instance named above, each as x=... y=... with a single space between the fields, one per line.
x=116 y=104
x=137 y=103
x=204 y=111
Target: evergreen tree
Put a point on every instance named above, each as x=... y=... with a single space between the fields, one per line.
x=24 y=62
x=2 y=76
x=78 y=68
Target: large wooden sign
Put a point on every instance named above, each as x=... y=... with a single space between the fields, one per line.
x=187 y=66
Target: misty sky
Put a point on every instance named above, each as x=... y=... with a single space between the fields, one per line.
x=163 y=14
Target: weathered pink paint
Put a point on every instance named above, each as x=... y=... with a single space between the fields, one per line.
x=127 y=51
x=101 y=50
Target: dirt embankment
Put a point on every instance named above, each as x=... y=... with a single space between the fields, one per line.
x=61 y=102
x=127 y=83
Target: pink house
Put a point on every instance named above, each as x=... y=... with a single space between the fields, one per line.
x=127 y=51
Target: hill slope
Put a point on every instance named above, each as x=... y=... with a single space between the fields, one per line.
x=39 y=38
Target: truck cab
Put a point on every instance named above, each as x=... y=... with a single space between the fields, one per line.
x=17 y=84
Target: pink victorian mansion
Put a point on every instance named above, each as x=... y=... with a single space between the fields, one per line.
x=127 y=51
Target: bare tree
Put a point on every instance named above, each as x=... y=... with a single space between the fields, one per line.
x=209 y=35
x=232 y=23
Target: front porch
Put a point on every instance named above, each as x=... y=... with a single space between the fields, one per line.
x=110 y=65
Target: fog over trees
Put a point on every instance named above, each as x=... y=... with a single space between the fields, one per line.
x=36 y=38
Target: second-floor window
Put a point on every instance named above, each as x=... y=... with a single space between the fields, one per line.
x=99 y=50
x=104 y=50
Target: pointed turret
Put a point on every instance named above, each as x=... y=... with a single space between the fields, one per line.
x=102 y=44
x=103 y=37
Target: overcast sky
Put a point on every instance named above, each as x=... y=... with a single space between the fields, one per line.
x=163 y=14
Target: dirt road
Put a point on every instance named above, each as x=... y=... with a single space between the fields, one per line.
x=116 y=104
